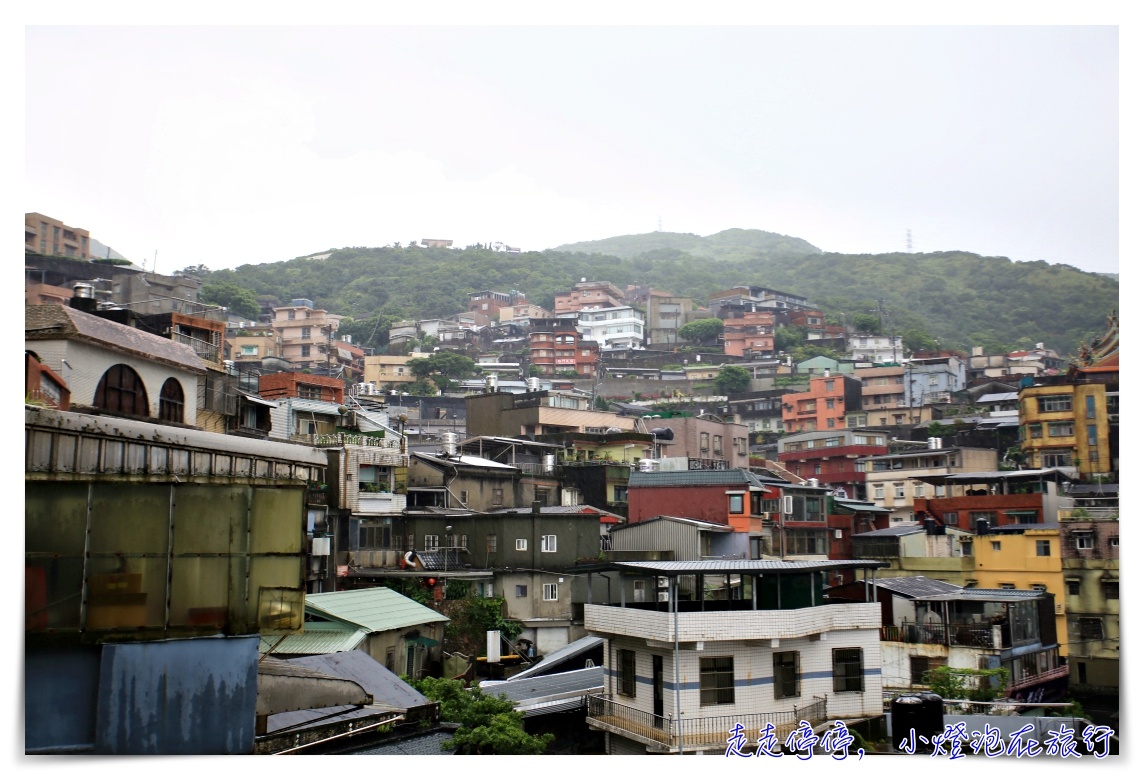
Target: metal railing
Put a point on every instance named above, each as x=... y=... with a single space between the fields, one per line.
x=698 y=733
x=952 y=634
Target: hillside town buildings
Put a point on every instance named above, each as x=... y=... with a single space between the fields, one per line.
x=224 y=498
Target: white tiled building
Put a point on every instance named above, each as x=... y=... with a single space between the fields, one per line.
x=762 y=647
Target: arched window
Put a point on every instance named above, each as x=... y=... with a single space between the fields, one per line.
x=171 y=401
x=121 y=390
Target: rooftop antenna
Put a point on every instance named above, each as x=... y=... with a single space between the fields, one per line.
x=909 y=240
x=659 y=224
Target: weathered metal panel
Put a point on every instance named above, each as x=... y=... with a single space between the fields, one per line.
x=178 y=697
x=60 y=685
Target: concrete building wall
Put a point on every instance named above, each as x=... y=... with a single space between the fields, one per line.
x=87 y=363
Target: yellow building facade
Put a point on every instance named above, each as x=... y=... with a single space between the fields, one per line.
x=1029 y=559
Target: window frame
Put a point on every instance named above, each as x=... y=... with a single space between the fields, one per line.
x=550 y=591
x=625 y=672
x=548 y=543
x=716 y=680
x=522 y=545
x=787 y=673
x=847 y=672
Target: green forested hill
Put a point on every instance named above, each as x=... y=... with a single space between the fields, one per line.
x=960 y=298
x=733 y=244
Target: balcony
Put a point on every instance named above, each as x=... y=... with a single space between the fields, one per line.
x=380 y=503
x=981 y=635
x=718 y=623
x=664 y=735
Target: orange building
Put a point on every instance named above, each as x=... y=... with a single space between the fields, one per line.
x=823 y=406
x=751 y=333
x=47 y=236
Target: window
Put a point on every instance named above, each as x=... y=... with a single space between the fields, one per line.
x=717 y=444
x=521 y=591
x=829 y=385
x=1090 y=407
x=310 y=392
x=829 y=403
x=920 y=664
x=639 y=590
x=967 y=548
x=464 y=498
x=704 y=442
x=1039 y=587
x=171 y=401
x=1008 y=586
x=1054 y=403
x=305 y=333
x=919 y=490
x=431 y=542
x=498 y=497
x=830 y=423
x=490 y=543
x=1082 y=540
x=1111 y=589
x=879 y=491
x=1092 y=435
x=949 y=518
x=996 y=546
x=736 y=503
x=1091 y=628
x=305 y=350
x=548 y=543
x=550 y=591
x=626 y=669
x=121 y=390
x=786 y=675
x=619 y=494
x=899 y=490
x=1060 y=429
x=1044 y=548
x=249 y=350
x=1114 y=543
x=847 y=669
x=1056 y=459
x=716 y=680
x=1072 y=587
x=521 y=545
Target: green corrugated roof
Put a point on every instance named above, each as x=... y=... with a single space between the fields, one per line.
x=374 y=609
x=315 y=641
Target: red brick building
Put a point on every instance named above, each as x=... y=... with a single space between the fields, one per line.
x=296 y=385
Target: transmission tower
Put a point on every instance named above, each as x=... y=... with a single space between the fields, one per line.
x=909 y=241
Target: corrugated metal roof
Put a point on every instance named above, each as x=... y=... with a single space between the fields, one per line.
x=582 y=645
x=859 y=506
x=745 y=566
x=374 y=609
x=696 y=477
x=991 y=398
x=547 y=686
x=894 y=530
x=990 y=594
x=720 y=527
x=916 y=587
x=314 y=640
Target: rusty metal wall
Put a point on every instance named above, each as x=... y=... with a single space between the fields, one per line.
x=178 y=697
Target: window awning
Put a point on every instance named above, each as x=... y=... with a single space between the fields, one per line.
x=256 y=400
x=424 y=641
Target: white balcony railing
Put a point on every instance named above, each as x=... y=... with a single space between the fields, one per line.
x=730 y=626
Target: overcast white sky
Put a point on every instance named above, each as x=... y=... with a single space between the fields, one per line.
x=242 y=144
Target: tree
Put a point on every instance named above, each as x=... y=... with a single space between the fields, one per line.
x=489 y=724
x=471 y=618
x=234 y=297
x=441 y=368
x=704 y=331
x=787 y=337
x=732 y=379
x=866 y=323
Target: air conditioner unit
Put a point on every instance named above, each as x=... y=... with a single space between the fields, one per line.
x=837 y=533
x=663 y=596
